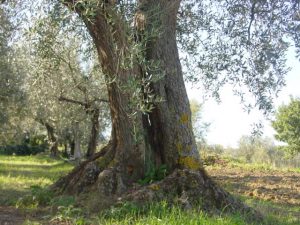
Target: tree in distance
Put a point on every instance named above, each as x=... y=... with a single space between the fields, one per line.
x=287 y=126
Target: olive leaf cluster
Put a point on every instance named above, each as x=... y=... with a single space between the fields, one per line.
x=241 y=43
x=12 y=95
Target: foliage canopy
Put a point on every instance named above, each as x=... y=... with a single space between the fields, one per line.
x=242 y=43
x=287 y=125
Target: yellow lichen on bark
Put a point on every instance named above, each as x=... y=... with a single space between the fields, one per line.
x=189 y=148
x=184 y=118
x=179 y=147
x=189 y=162
x=154 y=187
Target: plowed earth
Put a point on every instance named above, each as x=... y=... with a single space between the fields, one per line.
x=281 y=189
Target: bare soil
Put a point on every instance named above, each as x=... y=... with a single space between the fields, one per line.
x=279 y=188
x=10 y=216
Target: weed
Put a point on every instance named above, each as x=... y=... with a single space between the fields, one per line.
x=162 y=213
x=39 y=197
x=154 y=174
x=70 y=214
x=64 y=201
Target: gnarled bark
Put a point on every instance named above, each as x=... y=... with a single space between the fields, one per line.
x=165 y=134
x=170 y=127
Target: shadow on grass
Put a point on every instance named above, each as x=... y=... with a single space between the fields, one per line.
x=33 y=170
x=9 y=197
x=17 y=178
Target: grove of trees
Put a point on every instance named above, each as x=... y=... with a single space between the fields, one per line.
x=140 y=45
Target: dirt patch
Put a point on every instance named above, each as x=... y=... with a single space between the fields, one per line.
x=10 y=216
x=281 y=187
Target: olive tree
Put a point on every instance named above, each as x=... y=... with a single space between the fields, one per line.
x=237 y=42
x=12 y=96
x=63 y=95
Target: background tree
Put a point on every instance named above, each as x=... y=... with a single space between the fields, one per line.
x=287 y=125
x=64 y=87
x=200 y=128
x=256 y=149
x=12 y=96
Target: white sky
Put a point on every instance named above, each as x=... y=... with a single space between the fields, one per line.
x=228 y=120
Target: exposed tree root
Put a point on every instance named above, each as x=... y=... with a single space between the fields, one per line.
x=191 y=189
x=100 y=185
x=84 y=174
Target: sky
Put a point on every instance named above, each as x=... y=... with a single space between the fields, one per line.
x=228 y=120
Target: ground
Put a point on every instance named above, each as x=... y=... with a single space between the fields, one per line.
x=10 y=216
x=275 y=193
x=280 y=187
x=17 y=175
x=270 y=190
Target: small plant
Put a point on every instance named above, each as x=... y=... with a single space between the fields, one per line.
x=154 y=174
x=29 y=222
x=71 y=215
x=38 y=197
x=121 y=211
x=64 y=201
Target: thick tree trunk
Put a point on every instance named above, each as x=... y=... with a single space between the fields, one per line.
x=163 y=136
x=170 y=126
x=93 y=140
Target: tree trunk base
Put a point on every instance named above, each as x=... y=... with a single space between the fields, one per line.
x=99 y=186
x=191 y=189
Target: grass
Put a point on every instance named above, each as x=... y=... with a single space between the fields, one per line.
x=18 y=174
x=258 y=166
x=161 y=213
x=275 y=213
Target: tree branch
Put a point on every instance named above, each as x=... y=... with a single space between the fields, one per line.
x=84 y=104
x=252 y=17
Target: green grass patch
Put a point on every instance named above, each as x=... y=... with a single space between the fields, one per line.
x=275 y=213
x=19 y=173
x=260 y=167
x=248 y=166
x=23 y=182
x=162 y=214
